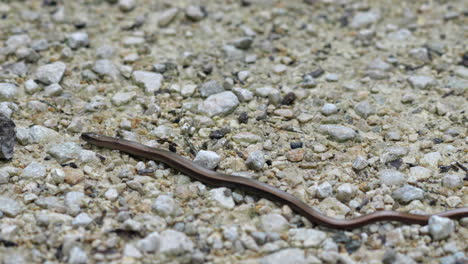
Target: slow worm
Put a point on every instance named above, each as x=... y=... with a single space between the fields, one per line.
x=257 y=188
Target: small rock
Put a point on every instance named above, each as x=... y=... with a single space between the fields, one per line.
x=77 y=256
x=324 y=190
x=295 y=155
x=364 y=109
x=210 y=87
x=111 y=194
x=223 y=197
x=391 y=177
x=360 y=163
x=407 y=194
x=246 y=137
x=452 y=181
x=219 y=104
x=10 y=207
x=421 y=82
x=364 y=19
x=34 y=171
x=105 y=51
x=256 y=160
x=127 y=5
x=7 y=137
x=150 y=81
x=131 y=251
x=243 y=43
x=51 y=73
x=310 y=237
x=106 y=67
x=123 y=98
x=285 y=256
x=65 y=151
x=165 y=205
x=440 y=227
x=82 y=219
x=174 y=242
x=8 y=92
x=244 y=95
x=274 y=223
x=53 y=90
x=73 y=202
x=194 y=13
x=280 y=68
x=329 y=109
x=393 y=153
x=207 y=159
x=167 y=17
x=431 y=159
x=419 y=173
x=345 y=192
x=339 y=133
x=78 y=39
x=150 y=243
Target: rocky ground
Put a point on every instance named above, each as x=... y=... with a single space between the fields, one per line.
x=352 y=106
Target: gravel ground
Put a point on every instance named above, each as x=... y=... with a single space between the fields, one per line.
x=352 y=106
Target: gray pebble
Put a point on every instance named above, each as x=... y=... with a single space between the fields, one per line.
x=421 y=82
x=127 y=5
x=365 y=109
x=82 y=219
x=285 y=256
x=243 y=43
x=244 y=95
x=440 y=227
x=51 y=73
x=77 y=40
x=219 y=104
x=363 y=19
x=210 y=87
x=452 y=181
x=165 y=205
x=10 y=207
x=31 y=86
x=391 y=177
x=73 y=202
x=123 y=98
x=150 y=243
x=150 y=81
x=8 y=91
x=194 y=13
x=7 y=137
x=167 y=16
x=329 y=109
x=106 y=67
x=65 y=151
x=337 y=132
x=256 y=160
x=77 y=256
x=105 y=52
x=223 y=197
x=207 y=159
x=274 y=223
x=408 y=193
x=34 y=171
x=53 y=90
x=174 y=242
x=324 y=190
x=360 y=163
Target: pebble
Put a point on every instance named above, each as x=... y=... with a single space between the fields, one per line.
x=105 y=67
x=30 y=86
x=285 y=256
x=8 y=91
x=246 y=137
x=243 y=43
x=461 y=72
x=393 y=153
x=440 y=227
x=73 y=202
x=339 y=133
x=295 y=155
x=309 y=237
x=392 y=177
x=419 y=173
x=127 y=5
x=165 y=205
x=244 y=95
x=150 y=243
x=34 y=171
x=105 y=51
x=223 y=197
x=77 y=256
x=64 y=152
x=364 y=19
x=324 y=190
x=50 y=73
x=194 y=13
x=167 y=16
x=82 y=219
x=207 y=159
x=210 y=87
x=420 y=54
x=274 y=223
x=175 y=243
x=256 y=160
x=111 y=194
x=345 y=192
x=400 y=36
x=365 y=109
x=230 y=232
x=219 y=104
x=280 y=68
x=360 y=163
x=131 y=251
x=123 y=98
x=329 y=109
x=73 y=176
x=331 y=77
x=421 y=82
x=150 y=81
x=408 y=193
x=10 y=207
x=77 y=40
x=53 y=90
x=7 y=137
x=452 y=181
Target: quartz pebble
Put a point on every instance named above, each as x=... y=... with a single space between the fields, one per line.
x=210 y=88
x=8 y=91
x=207 y=159
x=256 y=160
x=329 y=109
x=407 y=194
x=150 y=81
x=337 y=132
x=421 y=82
x=223 y=197
x=165 y=205
x=150 y=243
x=10 y=207
x=440 y=227
x=219 y=104
x=34 y=171
x=392 y=177
x=174 y=242
x=274 y=223
x=78 y=39
x=51 y=73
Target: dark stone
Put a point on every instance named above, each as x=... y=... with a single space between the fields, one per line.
x=317 y=73
x=243 y=118
x=217 y=134
x=289 y=99
x=295 y=145
x=7 y=137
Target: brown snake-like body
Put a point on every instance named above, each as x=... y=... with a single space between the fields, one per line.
x=257 y=188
